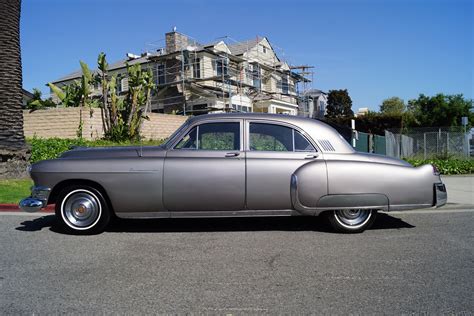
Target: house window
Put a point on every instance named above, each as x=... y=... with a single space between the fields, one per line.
x=241 y=108
x=197 y=68
x=264 y=49
x=257 y=81
x=284 y=85
x=124 y=84
x=119 y=83
x=161 y=77
x=221 y=66
x=246 y=108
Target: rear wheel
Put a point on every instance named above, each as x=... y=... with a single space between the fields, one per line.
x=351 y=221
x=82 y=210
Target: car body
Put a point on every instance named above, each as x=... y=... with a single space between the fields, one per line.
x=233 y=165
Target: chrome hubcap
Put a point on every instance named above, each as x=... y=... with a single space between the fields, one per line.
x=81 y=209
x=352 y=217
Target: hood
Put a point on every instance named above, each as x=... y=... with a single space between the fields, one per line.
x=110 y=152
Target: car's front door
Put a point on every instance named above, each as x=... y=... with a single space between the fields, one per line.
x=274 y=152
x=205 y=170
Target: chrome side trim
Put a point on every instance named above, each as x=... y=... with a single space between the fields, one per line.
x=143 y=214
x=246 y=213
x=295 y=201
x=209 y=214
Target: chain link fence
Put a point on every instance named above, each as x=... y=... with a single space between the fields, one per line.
x=427 y=142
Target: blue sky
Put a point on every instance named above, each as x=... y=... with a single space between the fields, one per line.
x=375 y=49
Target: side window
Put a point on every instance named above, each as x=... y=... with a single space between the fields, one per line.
x=301 y=143
x=212 y=136
x=189 y=141
x=269 y=137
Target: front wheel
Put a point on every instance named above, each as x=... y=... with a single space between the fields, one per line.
x=351 y=221
x=82 y=210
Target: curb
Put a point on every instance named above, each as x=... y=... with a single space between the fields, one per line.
x=16 y=208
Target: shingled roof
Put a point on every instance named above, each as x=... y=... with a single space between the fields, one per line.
x=240 y=48
x=116 y=65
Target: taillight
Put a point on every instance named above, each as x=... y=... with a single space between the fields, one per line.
x=435 y=170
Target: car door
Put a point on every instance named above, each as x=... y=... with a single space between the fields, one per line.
x=205 y=169
x=274 y=151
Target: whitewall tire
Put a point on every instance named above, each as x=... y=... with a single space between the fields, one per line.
x=82 y=209
x=351 y=221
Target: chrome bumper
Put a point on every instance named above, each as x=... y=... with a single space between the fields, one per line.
x=37 y=200
x=441 y=195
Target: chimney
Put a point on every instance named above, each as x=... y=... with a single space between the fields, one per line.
x=175 y=41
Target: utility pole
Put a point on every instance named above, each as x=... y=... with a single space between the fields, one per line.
x=182 y=77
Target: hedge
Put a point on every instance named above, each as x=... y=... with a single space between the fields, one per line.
x=447 y=166
x=50 y=148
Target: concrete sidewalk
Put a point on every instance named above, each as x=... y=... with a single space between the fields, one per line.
x=460 y=189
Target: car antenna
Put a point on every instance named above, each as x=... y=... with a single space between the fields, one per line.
x=141 y=147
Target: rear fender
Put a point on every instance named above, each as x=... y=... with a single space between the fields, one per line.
x=402 y=185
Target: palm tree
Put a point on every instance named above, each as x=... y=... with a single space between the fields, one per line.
x=12 y=140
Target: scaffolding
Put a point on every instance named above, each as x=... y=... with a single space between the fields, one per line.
x=303 y=98
x=211 y=72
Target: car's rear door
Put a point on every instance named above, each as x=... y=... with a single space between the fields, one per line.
x=205 y=170
x=274 y=151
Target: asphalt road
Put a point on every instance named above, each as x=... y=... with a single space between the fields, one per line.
x=413 y=262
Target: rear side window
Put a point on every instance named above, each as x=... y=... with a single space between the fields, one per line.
x=212 y=136
x=271 y=137
x=302 y=143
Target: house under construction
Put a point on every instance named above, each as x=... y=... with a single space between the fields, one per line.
x=194 y=78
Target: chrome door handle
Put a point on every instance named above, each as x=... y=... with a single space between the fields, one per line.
x=232 y=154
x=311 y=156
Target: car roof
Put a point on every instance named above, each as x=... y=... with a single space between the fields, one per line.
x=263 y=116
x=327 y=137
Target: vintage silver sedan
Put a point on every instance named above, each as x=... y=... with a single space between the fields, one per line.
x=232 y=165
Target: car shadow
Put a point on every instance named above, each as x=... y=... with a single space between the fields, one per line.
x=174 y=225
x=37 y=224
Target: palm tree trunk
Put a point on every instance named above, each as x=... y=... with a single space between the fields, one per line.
x=11 y=115
x=12 y=140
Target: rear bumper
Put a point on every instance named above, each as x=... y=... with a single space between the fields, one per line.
x=440 y=194
x=37 y=200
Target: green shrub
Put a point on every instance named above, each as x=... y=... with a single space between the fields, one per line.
x=447 y=166
x=50 y=148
